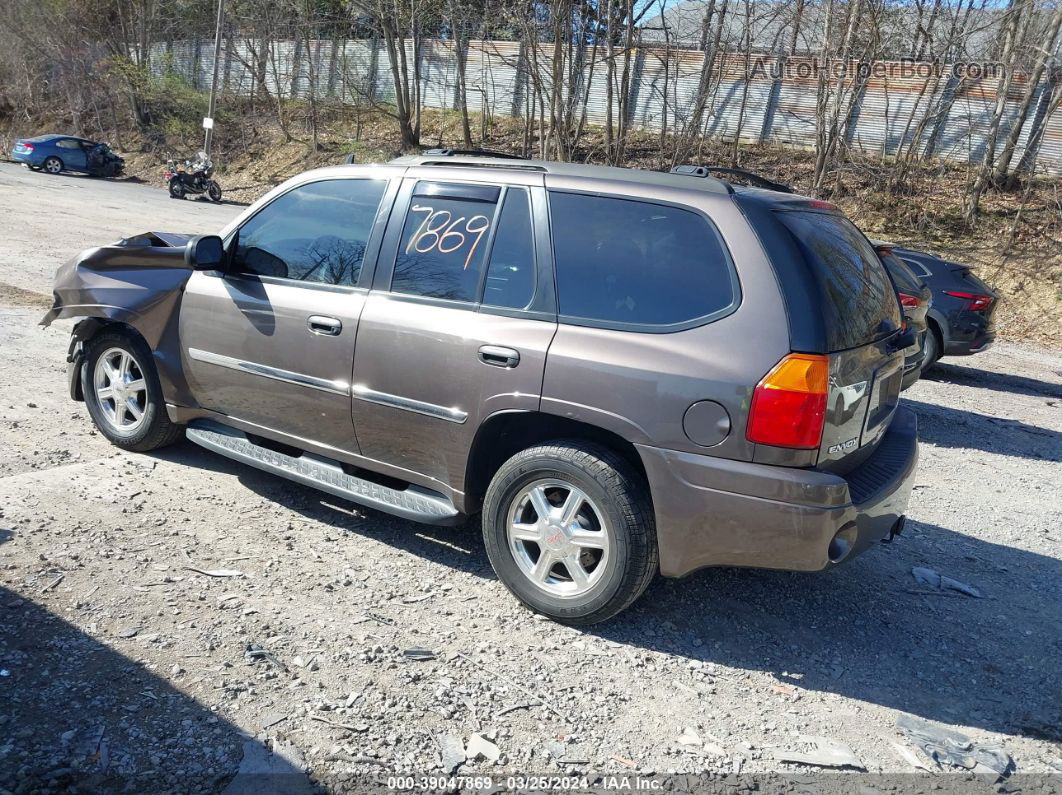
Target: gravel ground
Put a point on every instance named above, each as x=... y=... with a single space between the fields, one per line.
x=127 y=663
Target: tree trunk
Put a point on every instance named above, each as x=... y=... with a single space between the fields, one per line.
x=798 y=18
x=1032 y=143
x=1015 y=32
x=1003 y=162
x=461 y=57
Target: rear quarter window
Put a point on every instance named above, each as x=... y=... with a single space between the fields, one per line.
x=858 y=302
x=623 y=263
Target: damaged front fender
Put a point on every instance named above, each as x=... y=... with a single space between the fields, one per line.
x=137 y=282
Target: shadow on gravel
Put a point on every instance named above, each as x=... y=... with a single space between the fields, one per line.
x=948 y=427
x=865 y=630
x=459 y=548
x=78 y=716
x=985 y=379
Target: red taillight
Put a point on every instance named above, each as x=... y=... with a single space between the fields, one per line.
x=789 y=404
x=909 y=300
x=977 y=301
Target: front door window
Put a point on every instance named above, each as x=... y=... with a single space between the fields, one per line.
x=314 y=233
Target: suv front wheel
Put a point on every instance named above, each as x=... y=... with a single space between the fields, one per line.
x=569 y=529
x=123 y=394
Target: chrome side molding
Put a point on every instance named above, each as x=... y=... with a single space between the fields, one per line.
x=450 y=414
x=275 y=373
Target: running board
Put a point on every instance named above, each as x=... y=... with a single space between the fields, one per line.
x=413 y=502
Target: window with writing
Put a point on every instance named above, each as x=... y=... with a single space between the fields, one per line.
x=444 y=241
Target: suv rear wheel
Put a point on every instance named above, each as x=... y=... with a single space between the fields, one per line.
x=569 y=529
x=123 y=394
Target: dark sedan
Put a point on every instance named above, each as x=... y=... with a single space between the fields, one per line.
x=54 y=154
x=915 y=299
x=961 y=318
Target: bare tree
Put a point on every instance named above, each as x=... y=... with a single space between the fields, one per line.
x=1020 y=16
x=1043 y=52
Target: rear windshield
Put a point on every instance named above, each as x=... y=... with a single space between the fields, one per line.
x=904 y=277
x=859 y=303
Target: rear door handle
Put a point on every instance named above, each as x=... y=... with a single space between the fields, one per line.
x=498 y=356
x=320 y=324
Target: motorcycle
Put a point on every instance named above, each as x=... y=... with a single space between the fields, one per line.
x=192 y=178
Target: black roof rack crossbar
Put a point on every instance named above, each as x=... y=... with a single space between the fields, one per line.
x=447 y=152
x=751 y=176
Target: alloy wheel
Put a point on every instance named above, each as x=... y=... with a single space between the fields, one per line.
x=121 y=389
x=558 y=537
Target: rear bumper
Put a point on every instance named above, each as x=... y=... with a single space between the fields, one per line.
x=966 y=347
x=715 y=512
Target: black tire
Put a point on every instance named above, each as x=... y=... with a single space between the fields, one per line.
x=154 y=430
x=616 y=488
x=52 y=165
x=177 y=190
x=931 y=347
x=214 y=191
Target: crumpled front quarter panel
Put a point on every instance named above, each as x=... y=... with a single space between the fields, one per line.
x=135 y=283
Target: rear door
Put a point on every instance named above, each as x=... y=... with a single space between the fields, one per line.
x=862 y=320
x=271 y=341
x=458 y=323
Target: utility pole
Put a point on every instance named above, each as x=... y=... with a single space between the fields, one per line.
x=208 y=122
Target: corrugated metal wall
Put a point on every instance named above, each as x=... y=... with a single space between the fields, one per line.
x=765 y=99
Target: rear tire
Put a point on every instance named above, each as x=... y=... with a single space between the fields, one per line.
x=52 y=165
x=177 y=190
x=569 y=529
x=932 y=348
x=123 y=394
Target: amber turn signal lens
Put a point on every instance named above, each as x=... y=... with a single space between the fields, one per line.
x=799 y=372
x=789 y=404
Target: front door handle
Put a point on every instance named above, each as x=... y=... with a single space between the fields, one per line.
x=320 y=324
x=498 y=356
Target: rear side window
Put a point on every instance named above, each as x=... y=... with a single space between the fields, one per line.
x=918 y=268
x=511 y=270
x=620 y=261
x=858 y=300
x=444 y=241
x=470 y=243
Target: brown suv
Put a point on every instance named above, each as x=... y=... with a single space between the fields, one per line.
x=622 y=371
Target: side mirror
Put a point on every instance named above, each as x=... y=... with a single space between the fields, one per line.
x=205 y=253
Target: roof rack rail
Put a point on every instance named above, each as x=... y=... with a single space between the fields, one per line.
x=751 y=176
x=447 y=152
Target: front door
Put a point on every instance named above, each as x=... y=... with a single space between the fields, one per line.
x=73 y=154
x=271 y=341
x=458 y=323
